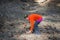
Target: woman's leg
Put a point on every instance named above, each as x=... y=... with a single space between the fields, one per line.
x=36 y=29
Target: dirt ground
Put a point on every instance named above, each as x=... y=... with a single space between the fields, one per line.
x=13 y=26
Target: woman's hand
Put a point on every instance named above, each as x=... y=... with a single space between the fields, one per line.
x=29 y=32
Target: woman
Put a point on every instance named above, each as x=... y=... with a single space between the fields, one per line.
x=34 y=20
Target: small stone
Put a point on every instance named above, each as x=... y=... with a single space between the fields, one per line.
x=12 y=24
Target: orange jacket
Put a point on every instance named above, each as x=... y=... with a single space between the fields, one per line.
x=32 y=18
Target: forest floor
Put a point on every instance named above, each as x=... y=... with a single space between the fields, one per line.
x=13 y=28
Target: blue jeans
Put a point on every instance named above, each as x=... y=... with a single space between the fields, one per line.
x=36 y=29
